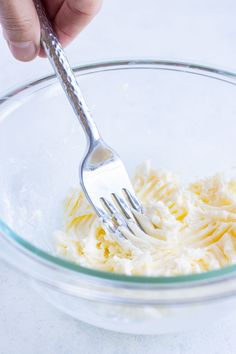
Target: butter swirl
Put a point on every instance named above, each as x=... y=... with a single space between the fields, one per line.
x=188 y=229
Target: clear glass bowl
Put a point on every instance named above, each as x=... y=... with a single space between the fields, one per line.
x=181 y=116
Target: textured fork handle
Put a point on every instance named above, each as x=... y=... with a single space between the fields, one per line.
x=64 y=72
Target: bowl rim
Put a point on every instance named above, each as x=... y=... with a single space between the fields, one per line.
x=22 y=245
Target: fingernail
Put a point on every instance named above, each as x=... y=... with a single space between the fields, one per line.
x=23 y=50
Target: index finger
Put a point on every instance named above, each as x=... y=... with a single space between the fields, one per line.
x=73 y=16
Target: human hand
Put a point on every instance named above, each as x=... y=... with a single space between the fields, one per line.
x=21 y=26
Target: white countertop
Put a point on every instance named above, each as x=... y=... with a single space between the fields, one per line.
x=199 y=31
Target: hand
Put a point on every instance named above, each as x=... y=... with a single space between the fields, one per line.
x=21 y=26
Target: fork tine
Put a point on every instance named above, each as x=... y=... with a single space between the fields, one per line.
x=112 y=211
x=128 y=212
x=135 y=207
x=135 y=203
x=120 y=221
x=110 y=224
x=111 y=227
x=123 y=207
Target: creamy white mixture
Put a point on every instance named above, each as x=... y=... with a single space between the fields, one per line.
x=188 y=229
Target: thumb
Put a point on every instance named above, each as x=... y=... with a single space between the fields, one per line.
x=20 y=27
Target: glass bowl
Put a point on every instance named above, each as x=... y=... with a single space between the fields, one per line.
x=181 y=116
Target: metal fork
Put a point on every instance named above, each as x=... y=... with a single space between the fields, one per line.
x=103 y=176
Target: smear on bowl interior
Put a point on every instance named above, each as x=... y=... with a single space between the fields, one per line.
x=188 y=229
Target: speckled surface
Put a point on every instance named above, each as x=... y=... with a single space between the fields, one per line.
x=200 y=31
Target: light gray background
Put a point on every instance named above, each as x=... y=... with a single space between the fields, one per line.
x=202 y=31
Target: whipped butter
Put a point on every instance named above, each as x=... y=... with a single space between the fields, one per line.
x=187 y=229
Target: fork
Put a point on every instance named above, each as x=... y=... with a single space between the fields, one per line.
x=103 y=176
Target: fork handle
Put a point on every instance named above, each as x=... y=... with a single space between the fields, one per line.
x=64 y=72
